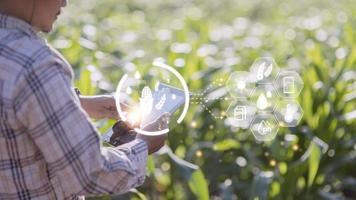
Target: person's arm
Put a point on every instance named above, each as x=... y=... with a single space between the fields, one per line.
x=68 y=141
x=99 y=106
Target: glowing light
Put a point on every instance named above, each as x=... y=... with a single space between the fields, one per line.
x=295 y=147
x=223 y=113
x=228 y=182
x=199 y=153
x=241 y=161
x=194 y=124
x=272 y=163
x=134 y=116
x=241 y=85
x=262 y=102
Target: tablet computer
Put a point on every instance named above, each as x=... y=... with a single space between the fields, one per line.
x=165 y=99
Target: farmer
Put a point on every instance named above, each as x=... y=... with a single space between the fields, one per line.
x=49 y=149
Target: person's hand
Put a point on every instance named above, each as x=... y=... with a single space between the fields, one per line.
x=160 y=124
x=155 y=143
x=121 y=134
x=101 y=106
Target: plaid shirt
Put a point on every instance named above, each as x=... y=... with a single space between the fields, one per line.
x=49 y=149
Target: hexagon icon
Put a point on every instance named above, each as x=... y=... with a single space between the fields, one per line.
x=239 y=84
x=264 y=70
x=264 y=97
x=264 y=127
x=240 y=113
x=289 y=113
x=289 y=84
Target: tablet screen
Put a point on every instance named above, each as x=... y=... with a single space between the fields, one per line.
x=166 y=99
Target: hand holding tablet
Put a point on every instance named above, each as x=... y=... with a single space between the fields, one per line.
x=155 y=108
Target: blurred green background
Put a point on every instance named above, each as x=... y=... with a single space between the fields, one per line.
x=209 y=39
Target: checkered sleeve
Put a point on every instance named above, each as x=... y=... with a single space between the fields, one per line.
x=48 y=107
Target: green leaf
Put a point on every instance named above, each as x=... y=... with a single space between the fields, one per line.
x=314 y=160
x=84 y=83
x=349 y=116
x=275 y=189
x=138 y=194
x=191 y=173
x=106 y=125
x=184 y=168
x=150 y=165
x=226 y=145
x=349 y=33
x=199 y=185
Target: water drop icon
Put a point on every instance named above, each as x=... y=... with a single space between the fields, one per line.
x=137 y=75
x=262 y=102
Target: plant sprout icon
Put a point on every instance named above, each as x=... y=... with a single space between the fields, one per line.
x=264 y=71
x=264 y=127
x=161 y=102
